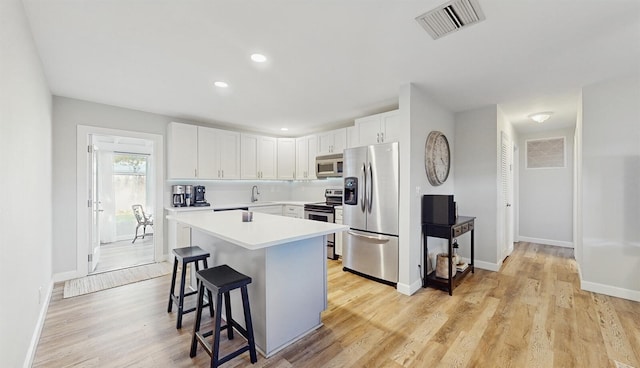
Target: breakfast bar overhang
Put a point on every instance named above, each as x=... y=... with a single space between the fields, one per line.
x=286 y=259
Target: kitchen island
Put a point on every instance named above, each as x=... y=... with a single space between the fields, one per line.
x=286 y=259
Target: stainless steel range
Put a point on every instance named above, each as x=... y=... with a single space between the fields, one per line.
x=325 y=211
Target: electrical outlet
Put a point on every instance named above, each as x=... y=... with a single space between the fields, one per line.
x=418 y=190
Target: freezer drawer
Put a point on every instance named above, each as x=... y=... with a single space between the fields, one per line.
x=371 y=254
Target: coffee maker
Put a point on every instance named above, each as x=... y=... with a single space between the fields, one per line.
x=178 y=195
x=199 y=200
x=188 y=195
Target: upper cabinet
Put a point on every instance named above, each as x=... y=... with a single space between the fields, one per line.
x=259 y=157
x=218 y=154
x=334 y=141
x=379 y=128
x=182 y=155
x=286 y=158
x=306 y=150
x=202 y=153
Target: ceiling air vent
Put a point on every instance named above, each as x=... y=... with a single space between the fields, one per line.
x=450 y=17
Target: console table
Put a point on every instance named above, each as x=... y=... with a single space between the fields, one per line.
x=462 y=225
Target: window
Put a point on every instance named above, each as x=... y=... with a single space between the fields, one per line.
x=129 y=187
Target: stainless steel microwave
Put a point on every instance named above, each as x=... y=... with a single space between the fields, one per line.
x=329 y=166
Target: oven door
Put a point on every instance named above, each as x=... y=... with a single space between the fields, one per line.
x=324 y=217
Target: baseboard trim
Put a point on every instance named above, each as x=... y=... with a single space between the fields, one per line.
x=557 y=243
x=64 y=276
x=487 y=266
x=35 y=338
x=610 y=290
x=409 y=289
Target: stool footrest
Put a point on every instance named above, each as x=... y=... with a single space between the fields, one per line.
x=209 y=350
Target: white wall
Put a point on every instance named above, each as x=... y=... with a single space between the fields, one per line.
x=476 y=176
x=419 y=116
x=546 y=195
x=611 y=187
x=67 y=115
x=25 y=182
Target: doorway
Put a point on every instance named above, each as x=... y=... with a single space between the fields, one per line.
x=120 y=169
x=121 y=166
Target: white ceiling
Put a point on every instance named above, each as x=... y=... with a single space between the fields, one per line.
x=329 y=61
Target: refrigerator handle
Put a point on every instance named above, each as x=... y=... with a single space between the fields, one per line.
x=370 y=194
x=363 y=196
x=372 y=239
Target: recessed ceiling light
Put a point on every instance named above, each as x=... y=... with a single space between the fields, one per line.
x=284 y=129
x=540 y=117
x=221 y=84
x=258 y=58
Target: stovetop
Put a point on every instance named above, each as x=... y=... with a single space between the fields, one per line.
x=333 y=199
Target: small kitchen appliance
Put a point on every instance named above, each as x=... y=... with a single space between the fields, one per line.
x=199 y=200
x=177 y=192
x=188 y=195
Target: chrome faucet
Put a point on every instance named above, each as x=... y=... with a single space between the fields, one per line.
x=254 y=193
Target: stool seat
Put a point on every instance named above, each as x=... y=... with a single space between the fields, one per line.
x=220 y=280
x=190 y=254
x=186 y=256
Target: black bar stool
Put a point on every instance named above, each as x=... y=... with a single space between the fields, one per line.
x=185 y=256
x=221 y=280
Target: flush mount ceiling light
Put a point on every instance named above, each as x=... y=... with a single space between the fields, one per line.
x=540 y=117
x=221 y=84
x=258 y=58
x=284 y=129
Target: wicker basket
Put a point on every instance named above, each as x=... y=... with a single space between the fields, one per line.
x=442 y=266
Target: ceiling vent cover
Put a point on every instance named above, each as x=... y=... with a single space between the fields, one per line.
x=450 y=17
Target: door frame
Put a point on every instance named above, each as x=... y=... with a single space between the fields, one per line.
x=83 y=133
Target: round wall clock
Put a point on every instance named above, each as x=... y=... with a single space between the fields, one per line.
x=437 y=158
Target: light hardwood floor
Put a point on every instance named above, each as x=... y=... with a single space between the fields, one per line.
x=530 y=314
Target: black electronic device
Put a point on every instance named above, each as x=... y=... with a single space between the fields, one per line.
x=351 y=191
x=438 y=209
x=199 y=200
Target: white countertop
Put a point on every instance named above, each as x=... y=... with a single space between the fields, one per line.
x=236 y=205
x=264 y=231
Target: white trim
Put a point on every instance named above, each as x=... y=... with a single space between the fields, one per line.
x=610 y=290
x=83 y=132
x=409 y=289
x=487 y=266
x=557 y=243
x=35 y=338
x=64 y=276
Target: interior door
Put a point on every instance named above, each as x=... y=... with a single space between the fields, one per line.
x=506 y=160
x=94 y=209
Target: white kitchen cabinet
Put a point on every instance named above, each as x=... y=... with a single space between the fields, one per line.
x=292 y=210
x=379 y=128
x=334 y=141
x=338 y=236
x=182 y=155
x=275 y=209
x=259 y=157
x=218 y=154
x=352 y=137
x=286 y=158
x=306 y=150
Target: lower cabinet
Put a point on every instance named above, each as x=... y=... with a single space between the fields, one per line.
x=294 y=211
x=271 y=209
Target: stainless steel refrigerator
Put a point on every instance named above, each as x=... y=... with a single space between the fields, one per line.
x=371 y=180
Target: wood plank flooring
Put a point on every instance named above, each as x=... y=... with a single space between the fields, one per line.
x=530 y=314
